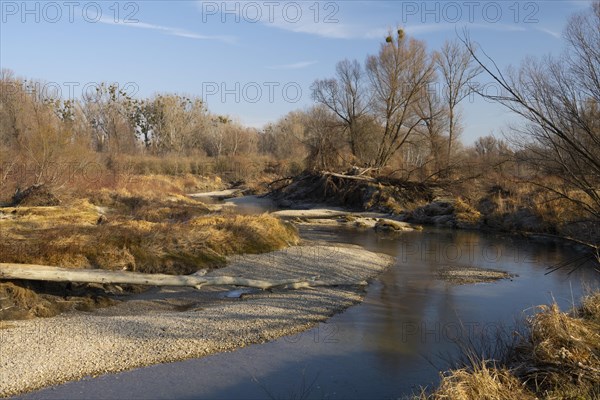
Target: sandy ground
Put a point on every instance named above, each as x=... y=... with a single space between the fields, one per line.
x=339 y=217
x=317 y=213
x=165 y=325
x=219 y=194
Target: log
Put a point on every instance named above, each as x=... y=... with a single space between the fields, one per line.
x=352 y=177
x=57 y=274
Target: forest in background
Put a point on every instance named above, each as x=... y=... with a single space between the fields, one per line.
x=397 y=115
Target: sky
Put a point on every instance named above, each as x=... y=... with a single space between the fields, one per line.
x=255 y=60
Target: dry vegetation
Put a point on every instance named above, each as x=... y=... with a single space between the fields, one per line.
x=147 y=225
x=484 y=381
x=558 y=358
x=175 y=235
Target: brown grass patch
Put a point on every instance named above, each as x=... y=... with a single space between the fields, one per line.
x=484 y=381
x=21 y=300
x=465 y=214
x=137 y=244
x=562 y=353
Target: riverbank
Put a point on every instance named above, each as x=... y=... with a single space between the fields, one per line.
x=473 y=205
x=165 y=325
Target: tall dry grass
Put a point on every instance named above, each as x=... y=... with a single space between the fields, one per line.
x=138 y=237
x=483 y=381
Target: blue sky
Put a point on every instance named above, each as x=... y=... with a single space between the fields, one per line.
x=256 y=60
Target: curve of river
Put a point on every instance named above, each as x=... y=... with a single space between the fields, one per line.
x=388 y=346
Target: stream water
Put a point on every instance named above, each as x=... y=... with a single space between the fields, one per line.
x=397 y=340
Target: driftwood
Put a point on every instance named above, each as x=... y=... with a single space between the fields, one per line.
x=56 y=274
x=352 y=177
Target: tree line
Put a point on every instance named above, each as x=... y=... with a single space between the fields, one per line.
x=399 y=111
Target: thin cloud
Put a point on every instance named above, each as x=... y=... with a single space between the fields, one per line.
x=497 y=27
x=327 y=26
x=170 y=31
x=550 y=32
x=421 y=29
x=428 y=28
x=330 y=31
x=348 y=31
x=331 y=26
x=298 y=65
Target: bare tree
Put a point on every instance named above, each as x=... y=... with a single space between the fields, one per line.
x=176 y=122
x=457 y=69
x=215 y=138
x=398 y=74
x=106 y=111
x=285 y=139
x=347 y=97
x=322 y=137
x=559 y=98
x=435 y=115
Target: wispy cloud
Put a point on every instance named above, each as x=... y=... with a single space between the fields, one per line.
x=301 y=18
x=428 y=28
x=550 y=32
x=448 y=27
x=360 y=31
x=332 y=23
x=330 y=31
x=497 y=27
x=298 y=65
x=170 y=31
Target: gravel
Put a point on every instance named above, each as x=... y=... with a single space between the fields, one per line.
x=166 y=325
x=462 y=275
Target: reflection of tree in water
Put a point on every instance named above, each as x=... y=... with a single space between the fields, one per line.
x=413 y=309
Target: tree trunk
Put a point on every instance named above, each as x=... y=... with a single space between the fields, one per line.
x=56 y=274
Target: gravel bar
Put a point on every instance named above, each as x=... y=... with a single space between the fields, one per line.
x=165 y=324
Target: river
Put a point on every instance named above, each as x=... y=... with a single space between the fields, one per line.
x=406 y=330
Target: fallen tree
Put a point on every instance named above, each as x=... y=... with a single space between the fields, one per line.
x=197 y=280
x=356 y=192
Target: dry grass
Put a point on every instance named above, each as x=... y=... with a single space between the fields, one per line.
x=72 y=238
x=18 y=301
x=515 y=206
x=153 y=186
x=246 y=233
x=484 y=381
x=561 y=356
x=149 y=206
x=465 y=214
x=558 y=359
x=134 y=228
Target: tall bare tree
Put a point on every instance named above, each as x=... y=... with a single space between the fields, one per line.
x=348 y=98
x=434 y=113
x=399 y=75
x=322 y=137
x=457 y=71
x=106 y=111
x=177 y=122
